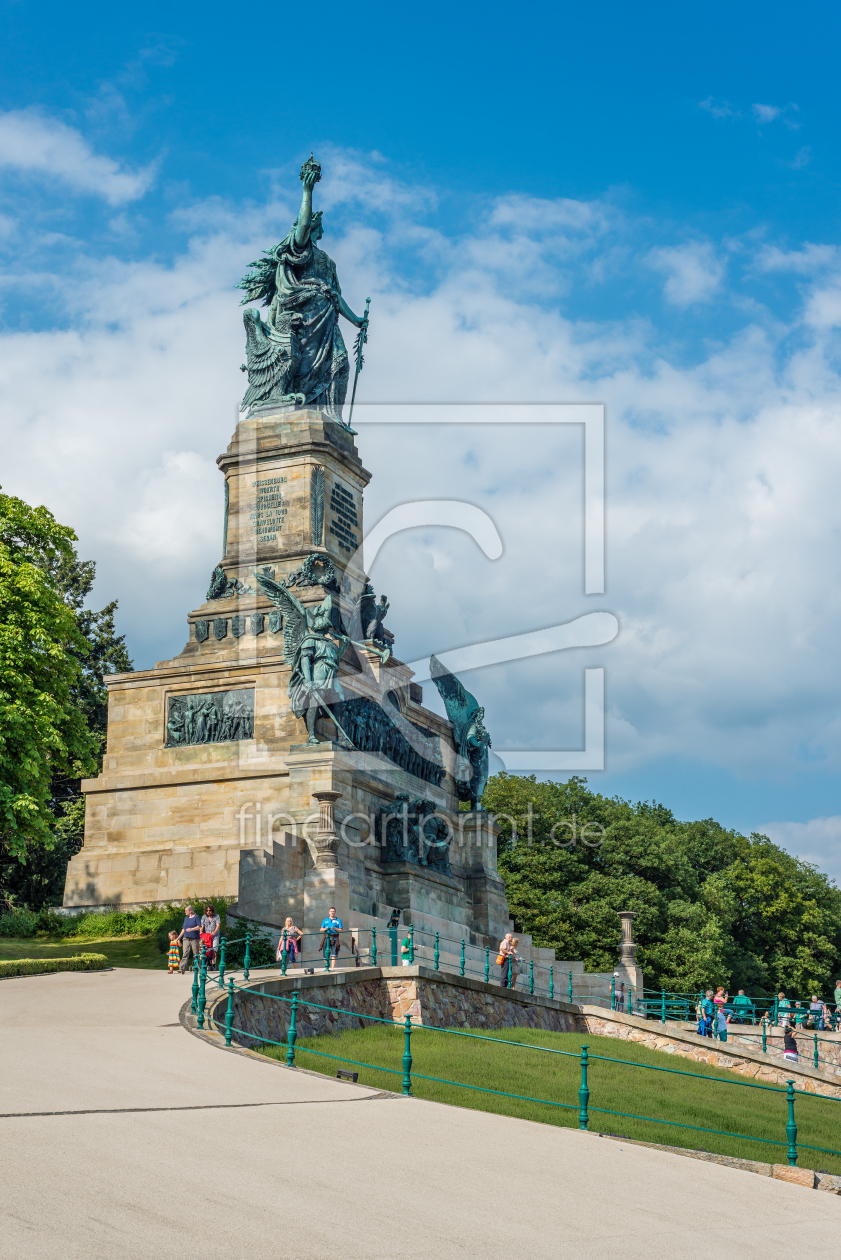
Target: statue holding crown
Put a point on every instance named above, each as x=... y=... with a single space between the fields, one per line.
x=297 y=354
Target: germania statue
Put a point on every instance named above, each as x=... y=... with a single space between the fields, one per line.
x=297 y=354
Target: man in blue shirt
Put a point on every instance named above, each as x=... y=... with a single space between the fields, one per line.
x=331 y=926
x=190 y=933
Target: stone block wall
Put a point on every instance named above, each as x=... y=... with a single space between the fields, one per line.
x=442 y=1000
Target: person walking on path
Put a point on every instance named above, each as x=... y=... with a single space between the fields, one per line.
x=211 y=924
x=331 y=926
x=406 y=951
x=189 y=937
x=816 y=1012
x=837 y=996
x=174 y=956
x=291 y=942
x=783 y=1008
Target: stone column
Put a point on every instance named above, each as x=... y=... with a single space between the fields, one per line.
x=326 y=841
x=628 y=971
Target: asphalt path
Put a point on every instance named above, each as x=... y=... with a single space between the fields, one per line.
x=124 y=1135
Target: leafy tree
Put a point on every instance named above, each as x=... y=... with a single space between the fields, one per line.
x=53 y=704
x=712 y=906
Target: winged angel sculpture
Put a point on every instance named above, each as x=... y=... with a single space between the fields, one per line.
x=313 y=648
x=297 y=353
x=472 y=740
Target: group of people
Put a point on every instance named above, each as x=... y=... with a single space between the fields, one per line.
x=716 y=1010
x=199 y=935
x=289 y=941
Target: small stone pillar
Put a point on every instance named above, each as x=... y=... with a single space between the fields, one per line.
x=325 y=840
x=628 y=971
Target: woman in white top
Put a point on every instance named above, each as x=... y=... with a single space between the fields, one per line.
x=289 y=940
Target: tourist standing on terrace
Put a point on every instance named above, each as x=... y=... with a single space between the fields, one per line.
x=331 y=926
x=741 y=1006
x=506 y=958
x=212 y=925
x=189 y=937
x=289 y=940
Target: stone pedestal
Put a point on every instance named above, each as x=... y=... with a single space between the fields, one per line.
x=628 y=971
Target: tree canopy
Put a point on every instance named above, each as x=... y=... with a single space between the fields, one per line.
x=712 y=906
x=53 y=704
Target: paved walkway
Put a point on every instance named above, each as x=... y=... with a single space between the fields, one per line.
x=148 y=1151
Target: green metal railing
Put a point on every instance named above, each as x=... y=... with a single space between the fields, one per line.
x=585 y=1057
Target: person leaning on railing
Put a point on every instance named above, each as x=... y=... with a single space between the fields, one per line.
x=742 y=1007
x=506 y=958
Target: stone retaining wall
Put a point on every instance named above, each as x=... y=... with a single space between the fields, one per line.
x=443 y=1000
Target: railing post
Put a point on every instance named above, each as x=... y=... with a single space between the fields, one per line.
x=531 y=975
x=461 y=972
x=552 y=983
x=407 y=1056
x=570 y=986
x=776 y=1011
x=437 y=953
x=202 y=987
x=283 y=953
x=791 y=1127
x=194 y=1005
x=373 y=947
x=326 y=951
x=229 y=1015
x=222 y=963
x=393 y=934
x=816 y=1049
x=764 y=1034
x=293 y=1032
x=613 y=993
x=487 y=963
x=247 y=954
x=584 y=1091
x=412 y=944
x=662 y=1006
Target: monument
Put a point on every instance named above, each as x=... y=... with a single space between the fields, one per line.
x=285 y=757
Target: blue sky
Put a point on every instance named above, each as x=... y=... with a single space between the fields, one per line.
x=563 y=203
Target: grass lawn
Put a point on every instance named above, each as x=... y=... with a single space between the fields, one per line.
x=121 y=951
x=618 y=1087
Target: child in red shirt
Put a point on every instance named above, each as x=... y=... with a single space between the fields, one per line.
x=206 y=945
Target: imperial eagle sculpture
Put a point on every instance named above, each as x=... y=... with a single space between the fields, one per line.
x=297 y=353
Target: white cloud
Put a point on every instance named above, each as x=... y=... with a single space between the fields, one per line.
x=817 y=841
x=719 y=108
x=694 y=272
x=723 y=512
x=33 y=144
x=766 y=113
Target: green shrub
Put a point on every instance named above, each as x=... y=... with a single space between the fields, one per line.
x=159 y=920
x=262 y=952
x=19 y=924
x=38 y=966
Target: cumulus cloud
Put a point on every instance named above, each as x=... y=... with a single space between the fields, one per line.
x=44 y=148
x=817 y=841
x=766 y=113
x=693 y=272
x=722 y=509
x=719 y=108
